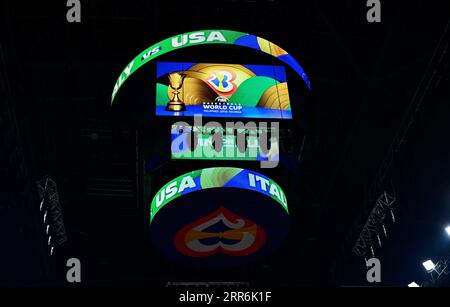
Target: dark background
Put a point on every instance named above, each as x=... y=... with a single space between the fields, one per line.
x=56 y=81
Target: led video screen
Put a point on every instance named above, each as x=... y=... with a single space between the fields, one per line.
x=222 y=90
x=198 y=218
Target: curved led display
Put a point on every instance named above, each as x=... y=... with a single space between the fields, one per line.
x=219 y=217
x=205 y=37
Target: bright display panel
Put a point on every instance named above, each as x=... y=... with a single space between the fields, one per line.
x=222 y=90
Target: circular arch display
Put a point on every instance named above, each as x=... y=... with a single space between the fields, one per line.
x=205 y=37
x=217 y=177
x=219 y=217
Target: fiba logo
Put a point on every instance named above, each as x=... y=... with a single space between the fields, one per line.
x=221 y=104
x=221 y=99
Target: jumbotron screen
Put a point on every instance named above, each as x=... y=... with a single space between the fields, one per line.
x=222 y=90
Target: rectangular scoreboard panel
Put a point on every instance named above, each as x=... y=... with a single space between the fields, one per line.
x=222 y=90
x=207 y=149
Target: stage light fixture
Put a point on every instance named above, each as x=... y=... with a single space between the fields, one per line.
x=447 y=229
x=429 y=265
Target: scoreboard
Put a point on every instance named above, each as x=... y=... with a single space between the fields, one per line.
x=212 y=125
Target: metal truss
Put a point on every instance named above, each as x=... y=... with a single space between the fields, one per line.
x=441 y=269
x=435 y=71
x=48 y=194
x=439 y=274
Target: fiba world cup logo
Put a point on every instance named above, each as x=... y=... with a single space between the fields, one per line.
x=222 y=82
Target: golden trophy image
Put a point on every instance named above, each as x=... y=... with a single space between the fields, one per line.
x=176 y=83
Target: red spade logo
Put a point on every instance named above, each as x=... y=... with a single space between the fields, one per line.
x=243 y=236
